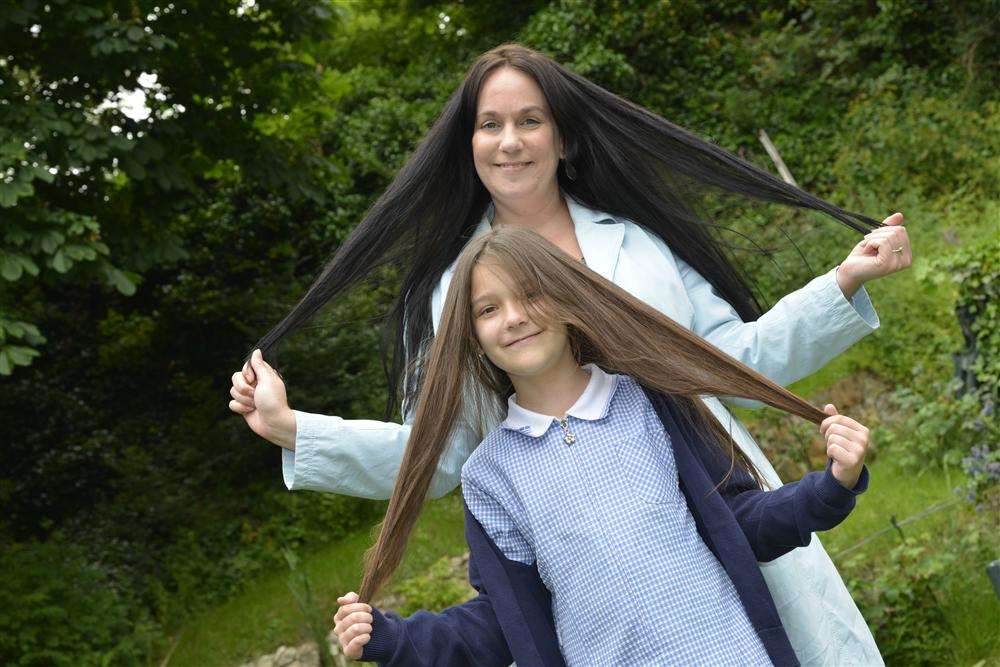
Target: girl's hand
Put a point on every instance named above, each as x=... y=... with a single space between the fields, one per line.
x=875 y=256
x=259 y=395
x=353 y=625
x=846 y=444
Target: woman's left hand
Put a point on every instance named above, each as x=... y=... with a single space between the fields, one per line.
x=883 y=251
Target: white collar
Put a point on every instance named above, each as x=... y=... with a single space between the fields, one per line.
x=599 y=234
x=593 y=404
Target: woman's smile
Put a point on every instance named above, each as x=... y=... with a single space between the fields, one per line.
x=514 y=166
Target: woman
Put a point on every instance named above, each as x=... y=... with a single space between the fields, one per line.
x=525 y=142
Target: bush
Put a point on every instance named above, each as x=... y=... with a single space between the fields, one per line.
x=59 y=608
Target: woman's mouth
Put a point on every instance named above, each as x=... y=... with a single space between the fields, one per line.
x=513 y=166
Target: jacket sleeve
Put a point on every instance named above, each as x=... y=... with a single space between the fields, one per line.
x=799 y=334
x=775 y=522
x=361 y=457
x=466 y=634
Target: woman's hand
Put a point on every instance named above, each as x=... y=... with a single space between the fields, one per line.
x=259 y=395
x=846 y=444
x=876 y=256
x=353 y=625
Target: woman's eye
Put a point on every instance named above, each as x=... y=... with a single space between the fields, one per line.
x=530 y=120
x=489 y=125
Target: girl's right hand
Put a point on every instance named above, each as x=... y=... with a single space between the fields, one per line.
x=259 y=395
x=353 y=625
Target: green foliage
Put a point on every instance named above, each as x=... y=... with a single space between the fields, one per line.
x=899 y=601
x=151 y=252
x=445 y=583
x=57 y=607
x=908 y=594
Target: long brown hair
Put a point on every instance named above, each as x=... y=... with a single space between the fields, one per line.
x=607 y=326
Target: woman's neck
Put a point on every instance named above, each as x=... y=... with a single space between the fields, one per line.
x=552 y=392
x=548 y=216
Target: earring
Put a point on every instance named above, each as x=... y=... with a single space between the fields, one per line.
x=570 y=170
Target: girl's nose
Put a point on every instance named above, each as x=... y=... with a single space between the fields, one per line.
x=516 y=316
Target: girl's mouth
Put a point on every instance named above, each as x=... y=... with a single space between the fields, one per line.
x=526 y=339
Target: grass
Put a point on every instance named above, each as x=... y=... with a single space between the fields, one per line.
x=264 y=616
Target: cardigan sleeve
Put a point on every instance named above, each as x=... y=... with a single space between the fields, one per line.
x=777 y=521
x=465 y=634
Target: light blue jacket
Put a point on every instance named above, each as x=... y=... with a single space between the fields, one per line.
x=797 y=336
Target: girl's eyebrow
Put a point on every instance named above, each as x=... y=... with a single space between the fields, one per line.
x=534 y=108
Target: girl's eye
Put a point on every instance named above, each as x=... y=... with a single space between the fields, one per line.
x=531 y=296
x=486 y=310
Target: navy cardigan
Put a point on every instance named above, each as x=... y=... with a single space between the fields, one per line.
x=511 y=618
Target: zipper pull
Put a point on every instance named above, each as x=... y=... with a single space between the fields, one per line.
x=568 y=437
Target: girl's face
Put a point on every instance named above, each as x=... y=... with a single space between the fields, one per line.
x=515 y=145
x=506 y=334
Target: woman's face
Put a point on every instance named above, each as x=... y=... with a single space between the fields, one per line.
x=515 y=145
x=506 y=333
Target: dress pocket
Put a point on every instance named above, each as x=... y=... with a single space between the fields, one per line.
x=647 y=466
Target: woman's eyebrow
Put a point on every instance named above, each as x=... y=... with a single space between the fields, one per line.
x=534 y=108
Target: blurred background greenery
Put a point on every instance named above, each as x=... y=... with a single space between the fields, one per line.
x=174 y=174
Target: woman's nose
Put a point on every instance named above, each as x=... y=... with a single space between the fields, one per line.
x=510 y=141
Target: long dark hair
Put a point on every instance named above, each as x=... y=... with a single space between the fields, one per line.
x=629 y=162
x=607 y=326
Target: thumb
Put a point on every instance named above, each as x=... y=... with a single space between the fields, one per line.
x=830 y=409
x=894 y=219
x=257 y=362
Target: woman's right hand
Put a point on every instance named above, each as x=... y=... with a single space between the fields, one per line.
x=259 y=395
x=353 y=625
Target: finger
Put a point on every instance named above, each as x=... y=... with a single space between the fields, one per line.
x=240 y=398
x=248 y=372
x=239 y=408
x=859 y=438
x=843 y=451
x=894 y=219
x=831 y=410
x=347 y=598
x=356 y=630
x=838 y=454
x=352 y=618
x=346 y=610
x=242 y=385
x=353 y=650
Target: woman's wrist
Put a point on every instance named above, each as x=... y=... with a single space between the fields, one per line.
x=283 y=431
x=847 y=285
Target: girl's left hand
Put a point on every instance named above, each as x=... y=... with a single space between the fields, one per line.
x=846 y=445
x=876 y=255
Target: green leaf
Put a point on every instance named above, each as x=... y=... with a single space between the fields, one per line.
x=5 y=366
x=60 y=262
x=10 y=268
x=135 y=33
x=20 y=355
x=52 y=240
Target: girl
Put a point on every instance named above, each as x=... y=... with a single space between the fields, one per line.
x=611 y=519
x=525 y=142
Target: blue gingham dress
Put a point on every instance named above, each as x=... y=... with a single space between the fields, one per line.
x=632 y=582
